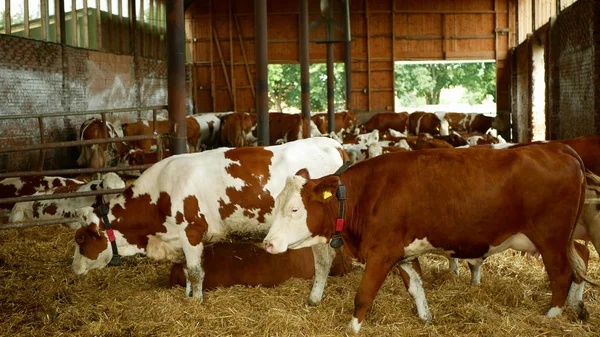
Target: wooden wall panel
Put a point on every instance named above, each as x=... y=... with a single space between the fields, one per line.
x=383 y=31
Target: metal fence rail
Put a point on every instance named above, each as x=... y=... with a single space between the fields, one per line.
x=43 y=146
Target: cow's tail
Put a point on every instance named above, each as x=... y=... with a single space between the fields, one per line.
x=575 y=260
x=578 y=264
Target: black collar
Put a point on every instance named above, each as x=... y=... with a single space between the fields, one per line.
x=116 y=258
x=340 y=193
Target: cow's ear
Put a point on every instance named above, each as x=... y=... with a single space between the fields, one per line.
x=326 y=189
x=303 y=173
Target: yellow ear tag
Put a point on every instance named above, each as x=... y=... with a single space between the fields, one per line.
x=326 y=195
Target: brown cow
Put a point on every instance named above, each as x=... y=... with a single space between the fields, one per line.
x=229 y=264
x=346 y=120
x=427 y=122
x=285 y=128
x=99 y=155
x=520 y=207
x=236 y=130
x=145 y=127
x=384 y=121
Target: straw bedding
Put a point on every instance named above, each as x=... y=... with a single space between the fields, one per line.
x=40 y=296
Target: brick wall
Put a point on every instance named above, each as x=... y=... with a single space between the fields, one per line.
x=38 y=77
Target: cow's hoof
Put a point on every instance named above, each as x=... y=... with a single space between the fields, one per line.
x=313 y=303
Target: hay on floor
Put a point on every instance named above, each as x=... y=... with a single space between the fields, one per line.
x=40 y=296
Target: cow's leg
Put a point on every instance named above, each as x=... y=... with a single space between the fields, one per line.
x=323 y=255
x=560 y=275
x=411 y=275
x=188 y=284
x=376 y=270
x=475 y=267
x=453 y=265
x=195 y=273
x=575 y=297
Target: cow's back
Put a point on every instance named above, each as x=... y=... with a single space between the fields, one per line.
x=494 y=193
x=588 y=148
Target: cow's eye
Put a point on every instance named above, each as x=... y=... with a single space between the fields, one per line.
x=294 y=210
x=80 y=239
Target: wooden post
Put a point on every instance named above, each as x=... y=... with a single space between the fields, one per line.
x=213 y=88
x=152 y=23
x=121 y=46
x=368 y=55
x=74 y=23
x=142 y=29
x=231 y=57
x=44 y=19
x=7 y=23
x=110 y=28
x=26 y=18
x=394 y=55
x=86 y=32
x=99 y=24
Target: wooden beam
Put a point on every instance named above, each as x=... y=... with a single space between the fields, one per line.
x=120 y=30
x=231 y=56
x=393 y=54
x=7 y=23
x=44 y=19
x=152 y=23
x=86 y=26
x=239 y=31
x=225 y=75
x=26 y=18
x=142 y=30
x=444 y=35
x=496 y=30
x=99 y=24
x=110 y=28
x=366 y=2
x=74 y=22
x=212 y=66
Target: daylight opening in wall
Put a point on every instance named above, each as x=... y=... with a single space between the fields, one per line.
x=538 y=99
x=468 y=86
x=285 y=93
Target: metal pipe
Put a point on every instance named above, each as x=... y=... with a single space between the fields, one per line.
x=74 y=171
x=262 y=86
x=304 y=58
x=79 y=113
x=60 y=196
x=348 y=74
x=176 y=76
x=330 y=86
x=75 y=143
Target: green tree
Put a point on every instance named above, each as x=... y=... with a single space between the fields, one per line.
x=284 y=86
x=426 y=81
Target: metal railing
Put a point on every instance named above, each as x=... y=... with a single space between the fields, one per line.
x=43 y=146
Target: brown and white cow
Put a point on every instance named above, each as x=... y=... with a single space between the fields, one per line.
x=473 y=122
x=22 y=186
x=228 y=264
x=384 y=121
x=208 y=126
x=185 y=201
x=346 y=120
x=285 y=128
x=65 y=208
x=145 y=127
x=99 y=155
x=514 y=198
x=427 y=122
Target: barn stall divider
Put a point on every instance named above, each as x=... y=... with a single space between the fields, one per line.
x=43 y=146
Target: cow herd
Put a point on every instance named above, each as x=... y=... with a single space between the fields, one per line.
x=419 y=183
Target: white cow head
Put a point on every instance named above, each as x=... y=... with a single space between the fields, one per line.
x=300 y=217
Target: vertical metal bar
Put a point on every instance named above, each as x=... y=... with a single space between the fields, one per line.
x=110 y=27
x=26 y=18
x=368 y=54
x=132 y=28
x=213 y=89
x=120 y=30
x=304 y=58
x=176 y=76
x=348 y=73
x=533 y=16
x=159 y=30
x=231 y=57
x=7 y=23
x=496 y=31
x=44 y=19
x=61 y=35
x=86 y=28
x=444 y=35
x=99 y=24
x=152 y=23
x=74 y=23
x=154 y=116
x=42 y=155
x=239 y=31
x=262 y=86
x=330 y=89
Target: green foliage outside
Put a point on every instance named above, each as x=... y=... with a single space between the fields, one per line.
x=285 y=90
x=419 y=84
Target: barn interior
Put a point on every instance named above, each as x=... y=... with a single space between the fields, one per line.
x=63 y=61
